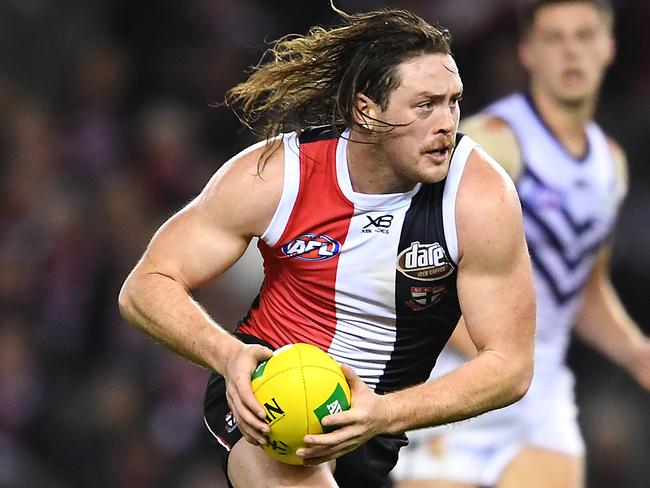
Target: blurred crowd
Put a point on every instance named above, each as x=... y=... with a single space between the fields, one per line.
x=108 y=125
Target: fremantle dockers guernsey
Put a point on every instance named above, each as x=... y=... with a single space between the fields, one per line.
x=371 y=279
x=569 y=206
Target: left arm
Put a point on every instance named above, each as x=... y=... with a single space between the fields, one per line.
x=497 y=299
x=602 y=320
x=603 y=323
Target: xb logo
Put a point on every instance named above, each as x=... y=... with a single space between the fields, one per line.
x=380 y=224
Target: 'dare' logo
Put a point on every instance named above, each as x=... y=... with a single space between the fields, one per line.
x=312 y=247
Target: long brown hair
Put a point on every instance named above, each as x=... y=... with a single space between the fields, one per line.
x=313 y=79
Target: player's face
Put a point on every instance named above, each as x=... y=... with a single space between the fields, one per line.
x=567 y=51
x=426 y=102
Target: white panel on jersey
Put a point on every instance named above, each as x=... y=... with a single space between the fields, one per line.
x=290 y=186
x=365 y=284
x=365 y=281
x=456 y=168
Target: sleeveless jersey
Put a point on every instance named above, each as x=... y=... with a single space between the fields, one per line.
x=569 y=206
x=371 y=279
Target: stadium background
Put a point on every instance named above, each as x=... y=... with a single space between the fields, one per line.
x=105 y=130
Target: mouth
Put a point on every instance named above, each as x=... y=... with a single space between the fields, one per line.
x=573 y=75
x=438 y=154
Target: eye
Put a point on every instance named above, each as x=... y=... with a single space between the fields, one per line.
x=426 y=105
x=552 y=37
x=454 y=100
x=586 y=35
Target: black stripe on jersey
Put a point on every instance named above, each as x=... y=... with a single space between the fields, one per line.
x=561 y=297
x=426 y=310
x=319 y=133
x=554 y=241
x=577 y=227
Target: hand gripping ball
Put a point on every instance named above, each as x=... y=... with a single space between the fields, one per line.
x=298 y=386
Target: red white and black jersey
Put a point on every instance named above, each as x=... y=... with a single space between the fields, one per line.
x=371 y=279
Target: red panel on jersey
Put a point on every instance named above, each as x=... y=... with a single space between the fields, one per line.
x=297 y=300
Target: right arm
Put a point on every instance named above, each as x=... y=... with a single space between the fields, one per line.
x=497 y=139
x=193 y=247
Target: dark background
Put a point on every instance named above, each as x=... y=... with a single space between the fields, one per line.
x=106 y=130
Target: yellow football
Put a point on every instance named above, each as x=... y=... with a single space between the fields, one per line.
x=298 y=386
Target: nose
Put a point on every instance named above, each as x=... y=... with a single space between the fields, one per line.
x=445 y=120
x=571 y=47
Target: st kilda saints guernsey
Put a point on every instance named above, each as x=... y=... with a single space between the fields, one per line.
x=371 y=279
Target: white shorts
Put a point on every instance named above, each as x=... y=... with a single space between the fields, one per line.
x=477 y=451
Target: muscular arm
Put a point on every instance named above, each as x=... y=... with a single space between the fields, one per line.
x=496 y=294
x=186 y=251
x=194 y=246
x=461 y=341
x=602 y=320
x=497 y=139
x=603 y=323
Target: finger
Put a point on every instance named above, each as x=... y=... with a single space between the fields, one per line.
x=350 y=375
x=251 y=435
x=334 y=438
x=324 y=459
x=340 y=419
x=261 y=353
x=251 y=420
x=314 y=458
x=247 y=397
x=249 y=438
x=355 y=383
x=248 y=422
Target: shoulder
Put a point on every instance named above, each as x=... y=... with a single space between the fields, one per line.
x=497 y=138
x=244 y=193
x=620 y=160
x=487 y=206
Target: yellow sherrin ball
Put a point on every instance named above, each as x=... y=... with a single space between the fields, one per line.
x=298 y=386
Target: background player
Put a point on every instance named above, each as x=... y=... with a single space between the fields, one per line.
x=370 y=299
x=571 y=179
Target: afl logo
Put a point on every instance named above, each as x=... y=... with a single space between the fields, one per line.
x=312 y=247
x=424 y=262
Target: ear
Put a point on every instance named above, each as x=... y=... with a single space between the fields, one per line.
x=365 y=111
x=611 y=50
x=524 y=54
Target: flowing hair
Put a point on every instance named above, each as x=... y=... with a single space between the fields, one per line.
x=313 y=79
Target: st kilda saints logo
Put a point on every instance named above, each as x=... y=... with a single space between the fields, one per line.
x=423 y=297
x=424 y=262
x=230 y=422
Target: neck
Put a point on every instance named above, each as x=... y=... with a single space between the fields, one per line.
x=566 y=121
x=370 y=168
